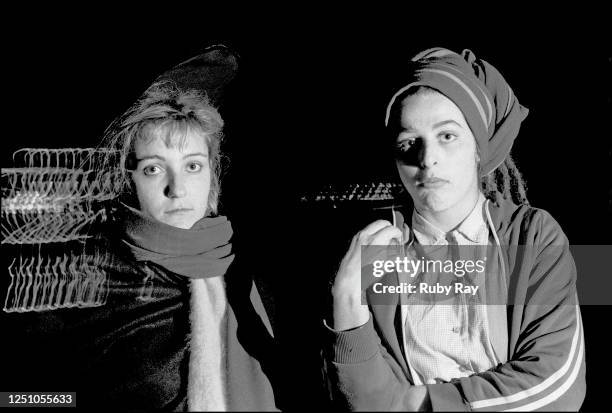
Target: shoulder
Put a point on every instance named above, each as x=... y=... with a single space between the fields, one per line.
x=525 y=223
x=107 y=252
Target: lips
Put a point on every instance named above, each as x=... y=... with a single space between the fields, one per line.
x=432 y=182
x=178 y=210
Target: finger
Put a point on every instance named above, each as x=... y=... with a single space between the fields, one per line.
x=375 y=227
x=363 y=236
x=385 y=236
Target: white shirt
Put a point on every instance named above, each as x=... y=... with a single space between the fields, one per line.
x=452 y=340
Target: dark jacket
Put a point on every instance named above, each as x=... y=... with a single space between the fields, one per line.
x=544 y=365
x=132 y=352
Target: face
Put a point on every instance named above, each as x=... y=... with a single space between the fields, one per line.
x=173 y=182
x=435 y=153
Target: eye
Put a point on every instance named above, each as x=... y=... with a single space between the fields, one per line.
x=194 y=167
x=448 y=137
x=405 y=144
x=151 y=170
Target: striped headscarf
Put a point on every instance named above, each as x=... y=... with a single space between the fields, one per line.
x=491 y=109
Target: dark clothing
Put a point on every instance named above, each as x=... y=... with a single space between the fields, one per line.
x=545 y=361
x=132 y=352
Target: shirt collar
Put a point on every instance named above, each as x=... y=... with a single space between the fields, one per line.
x=470 y=228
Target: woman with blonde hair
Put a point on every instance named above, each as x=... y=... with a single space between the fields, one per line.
x=182 y=325
x=169 y=225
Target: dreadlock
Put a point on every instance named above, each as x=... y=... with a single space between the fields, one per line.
x=506 y=180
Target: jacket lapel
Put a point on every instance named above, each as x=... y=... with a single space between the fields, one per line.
x=387 y=321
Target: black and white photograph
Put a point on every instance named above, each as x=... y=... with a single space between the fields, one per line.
x=321 y=215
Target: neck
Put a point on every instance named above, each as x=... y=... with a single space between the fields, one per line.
x=450 y=218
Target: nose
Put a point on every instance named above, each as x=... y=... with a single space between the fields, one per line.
x=428 y=155
x=176 y=186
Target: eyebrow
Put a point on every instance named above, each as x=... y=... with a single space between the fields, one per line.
x=436 y=125
x=161 y=158
x=446 y=122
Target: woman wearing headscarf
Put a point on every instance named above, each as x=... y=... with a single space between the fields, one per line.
x=519 y=346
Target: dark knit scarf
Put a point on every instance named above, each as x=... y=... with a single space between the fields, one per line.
x=204 y=251
x=200 y=252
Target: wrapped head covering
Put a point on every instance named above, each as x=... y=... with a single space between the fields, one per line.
x=487 y=102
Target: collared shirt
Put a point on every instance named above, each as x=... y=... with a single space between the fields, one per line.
x=450 y=340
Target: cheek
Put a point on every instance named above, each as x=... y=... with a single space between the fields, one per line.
x=405 y=171
x=149 y=193
x=407 y=176
x=200 y=185
x=465 y=170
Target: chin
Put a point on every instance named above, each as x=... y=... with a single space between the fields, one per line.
x=435 y=202
x=182 y=223
x=436 y=205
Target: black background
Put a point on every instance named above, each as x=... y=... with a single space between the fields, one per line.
x=307 y=109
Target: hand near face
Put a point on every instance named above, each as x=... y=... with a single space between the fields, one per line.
x=349 y=312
